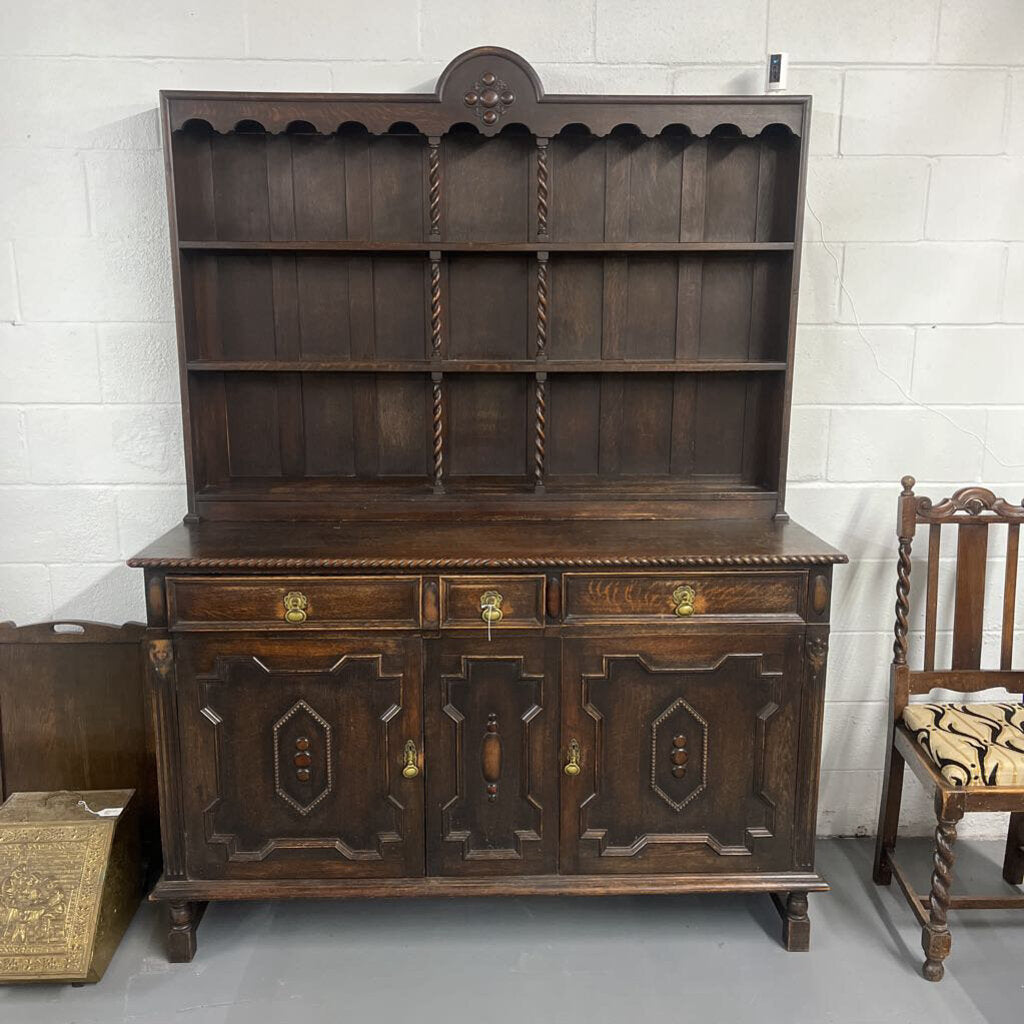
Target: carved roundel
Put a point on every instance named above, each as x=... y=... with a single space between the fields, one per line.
x=679 y=754
x=303 y=765
x=490 y=98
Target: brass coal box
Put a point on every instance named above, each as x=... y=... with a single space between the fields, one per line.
x=69 y=883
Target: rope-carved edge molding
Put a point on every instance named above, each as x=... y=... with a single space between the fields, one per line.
x=669 y=562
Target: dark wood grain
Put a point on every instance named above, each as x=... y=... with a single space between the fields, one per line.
x=292 y=757
x=1009 y=595
x=507 y=824
x=72 y=714
x=487 y=585
x=932 y=601
x=969 y=607
x=973 y=511
x=512 y=544
x=640 y=596
x=520 y=599
x=405 y=232
x=324 y=603
x=535 y=885
x=729 y=704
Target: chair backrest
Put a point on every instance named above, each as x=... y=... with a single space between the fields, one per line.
x=972 y=512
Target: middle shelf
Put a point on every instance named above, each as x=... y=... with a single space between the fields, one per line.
x=578 y=311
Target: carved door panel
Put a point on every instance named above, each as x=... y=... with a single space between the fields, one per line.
x=686 y=752
x=492 y=749
x=293 y=755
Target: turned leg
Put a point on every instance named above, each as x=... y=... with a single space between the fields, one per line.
x=181 y=937
x=888 y=816
x=796 y=925
x=1013 y=861
x=935 y=938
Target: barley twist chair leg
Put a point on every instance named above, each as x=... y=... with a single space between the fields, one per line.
x=935 y=937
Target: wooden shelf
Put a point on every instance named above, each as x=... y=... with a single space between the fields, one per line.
x=448 y=366
x=604 y=315
x=301 y=489
x=484 y=247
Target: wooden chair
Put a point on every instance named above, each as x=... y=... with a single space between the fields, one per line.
x=989 y=776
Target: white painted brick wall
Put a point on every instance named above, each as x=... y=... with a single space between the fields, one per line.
x=916 y=171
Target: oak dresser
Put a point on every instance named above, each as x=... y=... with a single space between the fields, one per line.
x=486 y=584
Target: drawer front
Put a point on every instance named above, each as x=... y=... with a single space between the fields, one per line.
x=294 y=602
x=683 y=596
x=515 y=602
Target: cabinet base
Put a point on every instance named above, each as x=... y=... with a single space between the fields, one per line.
x=176 y=890
x=186 y=899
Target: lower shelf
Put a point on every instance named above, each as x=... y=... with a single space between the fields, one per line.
x=523 y=885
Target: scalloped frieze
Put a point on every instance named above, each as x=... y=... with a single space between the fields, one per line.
x=488 y=87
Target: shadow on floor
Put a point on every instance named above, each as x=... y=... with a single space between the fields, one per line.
x=558 y=960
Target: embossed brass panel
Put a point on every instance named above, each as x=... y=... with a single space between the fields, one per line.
x=69 y=883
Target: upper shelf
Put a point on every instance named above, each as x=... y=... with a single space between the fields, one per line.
x=337 y=245
x=488 y=88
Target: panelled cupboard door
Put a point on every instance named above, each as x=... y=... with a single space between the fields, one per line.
x=686 y=752
x=492 y=756
x=293 y=756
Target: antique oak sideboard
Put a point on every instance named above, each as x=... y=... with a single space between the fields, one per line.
x=486 y=584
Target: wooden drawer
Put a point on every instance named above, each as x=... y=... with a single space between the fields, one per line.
x=294 y=602
x=519 y=599
x=657 y=596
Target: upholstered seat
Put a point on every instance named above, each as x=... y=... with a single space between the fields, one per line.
x=973 y=744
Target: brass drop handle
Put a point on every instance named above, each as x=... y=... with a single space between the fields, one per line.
x=490 y=606
x=490 y=609
x=572 y=766
x=412 y=768
x=683 y=597
x=295 y=605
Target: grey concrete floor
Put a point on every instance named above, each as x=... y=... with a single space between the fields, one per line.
x=560 y=961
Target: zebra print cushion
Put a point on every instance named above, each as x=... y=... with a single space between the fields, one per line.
x=973 y=744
